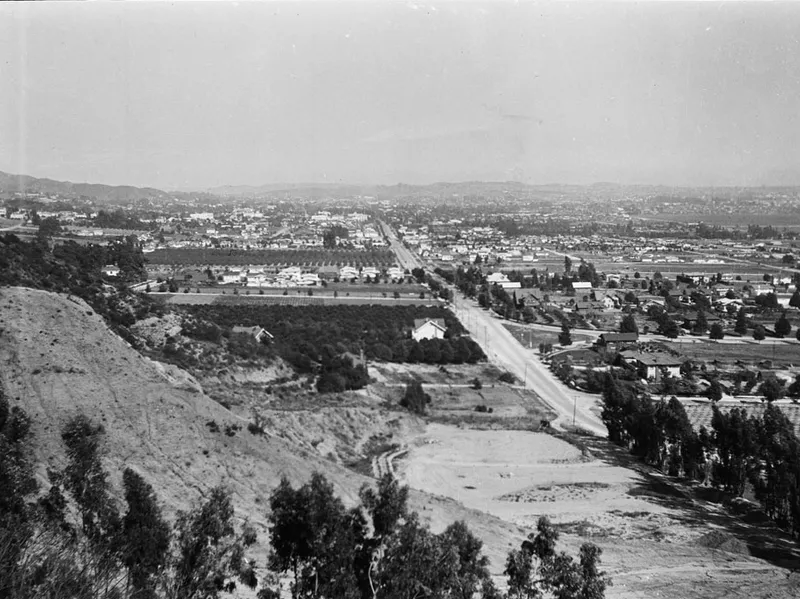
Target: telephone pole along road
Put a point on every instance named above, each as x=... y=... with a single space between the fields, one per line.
x=501 y=347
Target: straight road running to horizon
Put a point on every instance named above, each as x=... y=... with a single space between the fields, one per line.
x=571 y=406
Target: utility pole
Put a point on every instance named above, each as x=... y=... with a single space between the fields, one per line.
x=574 y=408
x=525 y=377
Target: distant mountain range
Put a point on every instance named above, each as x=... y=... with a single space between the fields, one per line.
x=441 y=189
x=23 y=183
x=122 y=193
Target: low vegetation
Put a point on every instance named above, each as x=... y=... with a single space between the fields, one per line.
x=76 y=540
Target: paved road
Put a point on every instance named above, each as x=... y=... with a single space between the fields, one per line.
x=503 y=349
x=406 y=257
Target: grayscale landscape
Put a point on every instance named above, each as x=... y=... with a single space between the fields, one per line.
x=399 y=300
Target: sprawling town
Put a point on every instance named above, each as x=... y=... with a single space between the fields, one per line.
x=399 y=300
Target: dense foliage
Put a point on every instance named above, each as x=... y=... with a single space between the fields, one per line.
x=379 y=550
x=739 y=450
x=118 y=219
x=75 y=541
x=305 y=335
x=76 y=269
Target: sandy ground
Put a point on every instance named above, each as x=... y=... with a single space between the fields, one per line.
x=649 y=540
x=517 y=475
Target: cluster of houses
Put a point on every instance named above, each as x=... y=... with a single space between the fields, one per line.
x=295 y=276
x=246 y=227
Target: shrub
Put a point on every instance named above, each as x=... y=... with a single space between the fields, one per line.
x=507 y=377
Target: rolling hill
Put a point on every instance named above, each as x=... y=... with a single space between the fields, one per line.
x=112 y=193
x=60 y=359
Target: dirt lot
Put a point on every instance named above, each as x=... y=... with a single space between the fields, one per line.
x=659 y=539
x=390 y=373
x=533 y=337
x=511 y=408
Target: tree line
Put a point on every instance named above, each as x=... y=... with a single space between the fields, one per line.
x=75 y=540
x=739 y=451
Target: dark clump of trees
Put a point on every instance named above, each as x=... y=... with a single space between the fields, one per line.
x=75 y=541
x=118 y=219
x=379 y=549
x=324 y=339
x=414 y=398
x=738 y=451
x=76 y=269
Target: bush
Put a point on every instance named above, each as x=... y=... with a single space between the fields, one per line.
x=507 y=377
x=415 y=399
x=476 y=384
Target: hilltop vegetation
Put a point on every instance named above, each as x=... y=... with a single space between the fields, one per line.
x=76 y=270
x=75 y=540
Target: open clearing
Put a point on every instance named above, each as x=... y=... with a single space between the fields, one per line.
x=394 y=373
x=531 y=338
x=658 y=539
x=517 y=475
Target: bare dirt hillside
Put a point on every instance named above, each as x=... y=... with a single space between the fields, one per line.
x=59 y=358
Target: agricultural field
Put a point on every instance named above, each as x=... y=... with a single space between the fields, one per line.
x=293 y=298
x=783 y=353
x=305 y=258
x=699 y=412
x=736 y=221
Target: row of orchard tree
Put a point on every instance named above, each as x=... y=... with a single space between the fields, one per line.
x=76 y=540
x=739 y=450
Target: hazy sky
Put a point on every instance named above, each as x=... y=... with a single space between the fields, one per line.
x=197 y=95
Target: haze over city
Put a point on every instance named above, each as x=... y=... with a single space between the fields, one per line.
x=195 y=95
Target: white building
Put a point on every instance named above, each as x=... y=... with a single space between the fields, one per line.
x=428 y=328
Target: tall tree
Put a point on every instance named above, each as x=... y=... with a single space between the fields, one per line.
x=565 y=337
x=472 y=566
x=628 y=324
x=782 y=326
x=210 y=555
x=146 y=536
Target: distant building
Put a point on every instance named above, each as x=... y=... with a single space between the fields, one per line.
x=497 y=277
x=615 y=340
x=582 y=286
x=110 y=270
x=653 y=365
x=428 y=328
x=260 y=334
